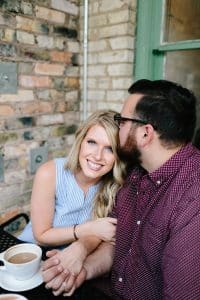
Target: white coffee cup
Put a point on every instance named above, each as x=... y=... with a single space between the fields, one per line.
x=22 y=261
x=12 y=297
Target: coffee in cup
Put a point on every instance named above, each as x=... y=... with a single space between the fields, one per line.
x=22 y=261
x=21 y=258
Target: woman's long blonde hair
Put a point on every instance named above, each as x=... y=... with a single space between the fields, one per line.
x=110 y=182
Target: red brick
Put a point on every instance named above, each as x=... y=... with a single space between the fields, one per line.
x=61 y=107
x=58 y=56
x=6 y=110
x=73 y=82
x=34 y=81
x=37 y=107
x=49 y=69
x=50 y=15
x=8 y=215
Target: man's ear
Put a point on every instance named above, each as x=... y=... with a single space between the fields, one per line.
x=146 y=135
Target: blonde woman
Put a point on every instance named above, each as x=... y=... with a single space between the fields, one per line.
x=72 y=196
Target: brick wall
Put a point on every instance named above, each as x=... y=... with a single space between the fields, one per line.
x=41 y=37
x=45 y=39
x=110 y=51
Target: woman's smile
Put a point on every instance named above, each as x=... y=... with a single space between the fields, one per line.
x=94 y=166
x=96 y=157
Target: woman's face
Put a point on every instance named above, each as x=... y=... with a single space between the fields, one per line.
x=96 y=157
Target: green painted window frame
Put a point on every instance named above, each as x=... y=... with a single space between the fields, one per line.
x=150 y=51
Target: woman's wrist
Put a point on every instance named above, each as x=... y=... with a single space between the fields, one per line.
x=75 y=232
x=83 y=230
x=78 y=247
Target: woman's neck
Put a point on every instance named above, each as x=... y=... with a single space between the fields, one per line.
x=84 y=182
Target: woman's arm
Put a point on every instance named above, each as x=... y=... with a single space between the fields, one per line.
x=43 y=208
x=60 y=264
x=72 y=257
x=65 y=280
x=42 y=214
x=102 y=228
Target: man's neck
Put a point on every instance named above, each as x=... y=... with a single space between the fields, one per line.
x=155 y=158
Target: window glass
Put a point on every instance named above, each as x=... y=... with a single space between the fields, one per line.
x=184 y=67
x=182 y=20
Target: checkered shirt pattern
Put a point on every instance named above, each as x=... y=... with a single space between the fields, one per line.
x=157 y=253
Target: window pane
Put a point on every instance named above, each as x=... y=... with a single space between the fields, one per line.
x=182 y=20
x=184 y=67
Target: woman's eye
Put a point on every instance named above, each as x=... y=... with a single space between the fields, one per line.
x=122 y=123
x=109 y=149
x=91 y=142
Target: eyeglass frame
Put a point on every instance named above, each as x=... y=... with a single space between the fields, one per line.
x=118 y=118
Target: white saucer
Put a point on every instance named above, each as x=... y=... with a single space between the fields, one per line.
x=12 y=296
x=9 y=283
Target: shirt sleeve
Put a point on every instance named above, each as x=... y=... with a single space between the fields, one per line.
x=113 y=213
x=181 y=257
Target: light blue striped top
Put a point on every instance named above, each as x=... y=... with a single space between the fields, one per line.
x=71 y=205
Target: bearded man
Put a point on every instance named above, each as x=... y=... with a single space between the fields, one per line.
x=156 y=255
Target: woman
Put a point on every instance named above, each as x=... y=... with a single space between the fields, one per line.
x=72 y=197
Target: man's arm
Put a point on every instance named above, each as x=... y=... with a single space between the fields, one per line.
x=181 y=257
x=100 y=261
x=96 y=264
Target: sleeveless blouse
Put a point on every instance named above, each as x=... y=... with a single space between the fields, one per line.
x=71 y=205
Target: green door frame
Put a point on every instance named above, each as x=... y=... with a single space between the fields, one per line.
x=150 y=51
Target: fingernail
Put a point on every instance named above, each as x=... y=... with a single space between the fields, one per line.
x=60 y=268
x=55 y=293
x=47 y=287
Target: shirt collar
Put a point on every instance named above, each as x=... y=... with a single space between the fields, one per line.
x=169 y=168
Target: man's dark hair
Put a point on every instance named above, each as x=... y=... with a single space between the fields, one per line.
x=197 y=138
x=169 y=107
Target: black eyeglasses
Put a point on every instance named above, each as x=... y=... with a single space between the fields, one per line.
x=119 y=119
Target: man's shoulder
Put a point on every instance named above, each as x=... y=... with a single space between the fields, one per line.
x=186 y=180
x=192 y=163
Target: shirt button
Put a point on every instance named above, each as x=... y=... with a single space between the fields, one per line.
x=158 y=182
x=120 y=279
x=130 y=250
x=137 y=193
x=138 y=222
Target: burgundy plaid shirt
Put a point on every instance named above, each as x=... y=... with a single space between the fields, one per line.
x=158 y=232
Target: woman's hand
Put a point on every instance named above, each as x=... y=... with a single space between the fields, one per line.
x=68 y=286
x=63 y=265
x=68 y=291
x=103 y=228
x=72 y=258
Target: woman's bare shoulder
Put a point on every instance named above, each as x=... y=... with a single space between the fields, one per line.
x=46 y=170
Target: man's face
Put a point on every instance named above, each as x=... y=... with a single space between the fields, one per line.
x=128 y=149
x=129 y=152
x=128 y=110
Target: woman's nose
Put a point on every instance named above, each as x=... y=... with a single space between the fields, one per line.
x=98 y=154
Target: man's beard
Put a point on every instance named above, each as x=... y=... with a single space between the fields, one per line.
x=129 y=152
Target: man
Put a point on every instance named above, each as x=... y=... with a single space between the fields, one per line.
x=157 y=254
